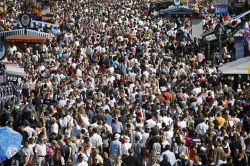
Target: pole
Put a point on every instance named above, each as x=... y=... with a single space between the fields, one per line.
x=220 y=45
x=209 y=50
x=25 y=9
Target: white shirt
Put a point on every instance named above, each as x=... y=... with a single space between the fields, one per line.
x=125 y=147
x=41 y=149
x=151 y=123
x=167 y=120
x=171 y=157
x=169 y=135
x=31 y=132
x=203 y=127
x=83 y=163
x=196 y=91
x=55 y=128
x=96 y=140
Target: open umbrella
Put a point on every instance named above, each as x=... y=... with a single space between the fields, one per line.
x=10 y=143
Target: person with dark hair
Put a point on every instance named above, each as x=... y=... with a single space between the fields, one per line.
x=170 y=155
x=165 y=161
x=26 y=154
x=107 y=160
x=130 y=160
x=96 y=140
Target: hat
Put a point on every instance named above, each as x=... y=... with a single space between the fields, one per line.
x=117 y=136
x=127 y=139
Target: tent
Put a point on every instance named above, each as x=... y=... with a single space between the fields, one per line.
x=14 y=70
x=172 y=10
x=240 y=66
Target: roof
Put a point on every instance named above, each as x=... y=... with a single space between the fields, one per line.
x=240 y=66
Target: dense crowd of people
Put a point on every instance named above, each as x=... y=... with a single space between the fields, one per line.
x=120 y=86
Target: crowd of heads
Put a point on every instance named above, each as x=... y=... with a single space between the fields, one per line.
x=120 y=86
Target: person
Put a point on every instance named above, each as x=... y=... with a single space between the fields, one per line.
x=59 y=159
x=170 y=155
x=41 y=152
x=116 y=149
x=95 y=159
x=82 y=160
x=26 y=154
x=138 y=149
x=165 y=161
x=96 y=139
x=197 y=161
x=107 y=160
x=130 y=160
x=31 y=132
x=126 y=146
x=203 y=127
x=116 y=125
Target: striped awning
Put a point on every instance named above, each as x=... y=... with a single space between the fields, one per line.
x=22 y=32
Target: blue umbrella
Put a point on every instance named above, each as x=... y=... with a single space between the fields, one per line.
x=10 y=143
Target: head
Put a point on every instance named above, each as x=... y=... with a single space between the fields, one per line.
x=131 y=152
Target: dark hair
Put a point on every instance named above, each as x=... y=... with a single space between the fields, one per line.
x=167 y=147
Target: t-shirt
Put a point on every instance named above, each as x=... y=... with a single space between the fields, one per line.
x=221 y=121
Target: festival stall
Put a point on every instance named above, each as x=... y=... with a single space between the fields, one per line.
x=10 y=73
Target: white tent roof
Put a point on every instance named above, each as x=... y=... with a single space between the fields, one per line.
x=14 y=70
x=240 y=66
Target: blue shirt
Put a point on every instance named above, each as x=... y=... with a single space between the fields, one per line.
x=117 y=127
x=116 y=148
x=108 y=119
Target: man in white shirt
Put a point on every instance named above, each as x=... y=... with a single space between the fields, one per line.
x=202 y=126
x=31 y=132
x=54 y=127
x=40 y=152
x=167 y=119
x=96 y=139
x=171 y=155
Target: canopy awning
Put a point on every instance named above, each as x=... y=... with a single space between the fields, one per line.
x=240 y=66
x=22 y=32
x=209 y=32
x=26 y=39
x=14 y=70
x=177 y=10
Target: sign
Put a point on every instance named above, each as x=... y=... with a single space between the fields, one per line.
x=221 y=10
x=211 y=37
x=2 y=50
x=177 y=2
x=25 y=20
x=220 y=2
